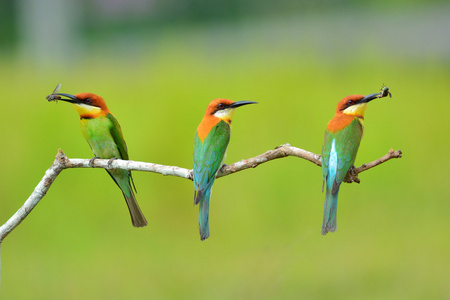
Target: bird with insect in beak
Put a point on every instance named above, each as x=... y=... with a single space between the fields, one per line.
x=342 y=138
x=104 y=135
x=211 y=142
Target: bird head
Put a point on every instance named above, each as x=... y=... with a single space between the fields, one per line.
x=355 y=105
x=217 y=110
x=223 y=109
x=88 y=105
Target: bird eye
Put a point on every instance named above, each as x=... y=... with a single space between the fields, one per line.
x=350 y=102
x=88 y=100
x=220 y=105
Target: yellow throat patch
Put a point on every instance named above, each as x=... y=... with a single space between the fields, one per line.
x=356 y=110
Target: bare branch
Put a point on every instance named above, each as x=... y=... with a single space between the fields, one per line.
x=278 y=152
x=38 y=193
x=130 y=165
x=352 y=175
x=62 y=162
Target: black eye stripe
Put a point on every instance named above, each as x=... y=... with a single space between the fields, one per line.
x=219 y=107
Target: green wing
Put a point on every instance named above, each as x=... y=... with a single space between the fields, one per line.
x=209 y=155
x=347 y=143
x=116 y=133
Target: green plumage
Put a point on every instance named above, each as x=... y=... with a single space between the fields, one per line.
x=105 y=138
x=335 y=166
x=347 y=143
x=208 y=158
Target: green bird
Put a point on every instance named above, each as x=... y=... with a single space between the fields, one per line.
x=211 y=143
x=102 y=131
x=342 y=138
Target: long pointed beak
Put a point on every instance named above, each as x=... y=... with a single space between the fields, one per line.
x=57 y=96
x=369 y=98
x=240 y=103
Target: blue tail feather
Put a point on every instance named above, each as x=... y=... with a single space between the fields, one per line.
x=329 y=212
x=203 y=215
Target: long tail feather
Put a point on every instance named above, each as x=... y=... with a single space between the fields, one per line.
x=123 y=180
x=329 y=212
x=137 y=217
x=203 y=198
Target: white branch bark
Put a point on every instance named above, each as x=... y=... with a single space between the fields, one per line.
x=62 y=162
x=38 y=193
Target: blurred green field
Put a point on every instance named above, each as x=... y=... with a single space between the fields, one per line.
x=393 y=237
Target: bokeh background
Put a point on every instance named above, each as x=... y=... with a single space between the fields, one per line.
x=158 y=64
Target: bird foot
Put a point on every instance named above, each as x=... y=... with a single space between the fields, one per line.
x=110 y=161
x=221 y=168
x=91 y=161
x=354 y=175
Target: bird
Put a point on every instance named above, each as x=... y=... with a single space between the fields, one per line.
x=341 y=142
x=210 y=146
x=104 y=135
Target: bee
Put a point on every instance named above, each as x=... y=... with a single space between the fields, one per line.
x=385 y=92
x=53 y=96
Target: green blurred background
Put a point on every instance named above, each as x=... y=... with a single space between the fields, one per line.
x=158 y=64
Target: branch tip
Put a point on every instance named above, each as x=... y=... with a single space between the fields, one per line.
x=62 y=159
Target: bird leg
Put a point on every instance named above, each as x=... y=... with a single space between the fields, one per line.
x=91 y=161
x=110 y=161
x=353 y=175
x=221 y=168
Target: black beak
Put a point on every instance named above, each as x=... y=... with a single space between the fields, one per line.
x=57 y=96
x=369 y=98
x=240 y=103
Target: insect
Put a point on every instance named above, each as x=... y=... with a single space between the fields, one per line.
x=53 y=96
x=384 y=92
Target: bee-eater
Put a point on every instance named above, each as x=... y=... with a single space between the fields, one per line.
x=341 y=142
x=104 y=135
x=211 y=142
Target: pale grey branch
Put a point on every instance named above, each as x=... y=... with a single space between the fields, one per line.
x=62 y=162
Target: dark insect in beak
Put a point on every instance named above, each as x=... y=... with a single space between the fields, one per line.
x=385 y=92
x=53 y=96
x=69 y=98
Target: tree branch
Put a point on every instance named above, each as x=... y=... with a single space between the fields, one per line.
x=279 y=152
x=352 y=175
x=38 y=193
x=62 y=162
